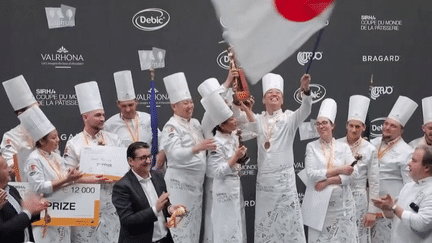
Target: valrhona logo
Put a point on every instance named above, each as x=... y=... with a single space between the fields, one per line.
x=60 y=17
x=62 y=59
x=151 y=19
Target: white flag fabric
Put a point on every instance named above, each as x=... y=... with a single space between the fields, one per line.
x=262 y=37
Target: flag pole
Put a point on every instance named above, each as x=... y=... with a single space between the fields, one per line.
x=153 y=117
x=317 y=42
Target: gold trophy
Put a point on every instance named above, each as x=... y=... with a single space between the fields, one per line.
x=240 y=85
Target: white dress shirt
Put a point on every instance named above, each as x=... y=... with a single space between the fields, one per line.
x=159 y=230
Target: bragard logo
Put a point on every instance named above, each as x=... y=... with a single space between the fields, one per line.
x=60 y=17
x=376 y=126
x=151 y=19
x=377 y=91
x=305 y=56
x=223 y=60
x=381 y=58
x=318 y=92
x=62 y=59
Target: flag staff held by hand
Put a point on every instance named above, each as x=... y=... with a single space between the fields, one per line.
x=317 y=42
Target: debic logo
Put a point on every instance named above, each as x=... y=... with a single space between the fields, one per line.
x=151 y=19
x=223 y=60
x=317 y=91
x=376 y=126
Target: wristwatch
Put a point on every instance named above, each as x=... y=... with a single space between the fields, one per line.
x=394 y=207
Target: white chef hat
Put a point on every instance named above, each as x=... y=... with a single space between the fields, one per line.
x=124 y=85
x=177 y=87
x=328 y=109
x=209 y=86
x=19 y=93
x=427 y=109
x=402 y=110
x=272 y=81
x=36 y=123
x=88 y=96
x=358 y=108
x=216 y=107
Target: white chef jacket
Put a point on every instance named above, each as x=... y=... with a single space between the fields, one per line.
x=179 y=136
x=17 y=141
x=109 y=227
x=394 y=167
x=414 y=227
x=116 y=125
x=418 y=142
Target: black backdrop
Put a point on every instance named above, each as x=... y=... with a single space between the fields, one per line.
x=389 y=39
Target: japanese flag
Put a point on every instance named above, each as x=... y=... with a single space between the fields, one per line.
x=266 y=32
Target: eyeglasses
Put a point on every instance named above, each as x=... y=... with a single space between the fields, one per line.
x=145 y=157
x=323 y=123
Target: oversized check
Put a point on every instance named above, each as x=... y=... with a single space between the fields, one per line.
x=74 y=205
x=106 y=160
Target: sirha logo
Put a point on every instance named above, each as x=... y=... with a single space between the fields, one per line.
x=223 y=60
x=151 y=19
x=317 y=91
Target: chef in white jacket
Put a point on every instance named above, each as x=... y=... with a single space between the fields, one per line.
x=426 y=139
x=227 y=214
x=329 y=171
x=93 y=114
x=131 y=125
x=412 y=213
x=46 y=169
x=394 y=155
x=368 y=169
x=18 y=141
x=185 y=146
x=277 y=210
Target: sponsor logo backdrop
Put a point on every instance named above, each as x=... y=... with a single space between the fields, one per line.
x=58 y=44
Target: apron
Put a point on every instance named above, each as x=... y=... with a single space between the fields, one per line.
x=228 y=215
x=186 y=189
x=277 y=211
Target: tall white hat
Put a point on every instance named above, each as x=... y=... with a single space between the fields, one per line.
x=216 y=107
x=427 y=109
x=358 y=108
x=124 y=85
x=19 y=93
x=36 y=123
x=177 y=87
x=328 y=109
x=402 y=110
x=209 y=86
x=88 y=96
x=272 y=81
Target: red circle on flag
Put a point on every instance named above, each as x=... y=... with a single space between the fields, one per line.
x=301 y=10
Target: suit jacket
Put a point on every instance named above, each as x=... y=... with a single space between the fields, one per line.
x=136 y=215
x=12 y=224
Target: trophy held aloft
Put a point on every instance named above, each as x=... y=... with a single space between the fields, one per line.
x=240 y=85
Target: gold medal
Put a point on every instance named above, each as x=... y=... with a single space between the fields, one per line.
x=267 y=145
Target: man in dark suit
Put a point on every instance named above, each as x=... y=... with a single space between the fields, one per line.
x=141 y=200
x=16 y=215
